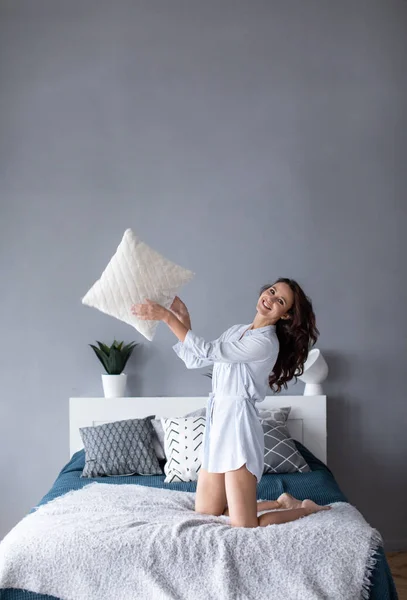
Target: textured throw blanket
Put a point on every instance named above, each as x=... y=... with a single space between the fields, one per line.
x=120 y=542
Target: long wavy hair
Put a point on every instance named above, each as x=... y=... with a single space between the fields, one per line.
x=296 y=337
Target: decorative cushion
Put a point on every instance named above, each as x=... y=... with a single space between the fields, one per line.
x=134 y=273
x=183 y=445
x=158 y=438
x=280 y=452
x=120 y=448
x=277 y=414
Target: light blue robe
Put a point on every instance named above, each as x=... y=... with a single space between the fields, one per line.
x=241 y=368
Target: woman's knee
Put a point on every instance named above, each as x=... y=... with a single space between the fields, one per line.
x=210 y=495
x=241 y=486
x=252 y=522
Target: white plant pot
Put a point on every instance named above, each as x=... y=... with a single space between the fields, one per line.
x=114 y=386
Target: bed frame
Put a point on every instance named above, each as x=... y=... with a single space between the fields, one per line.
x=306 y=423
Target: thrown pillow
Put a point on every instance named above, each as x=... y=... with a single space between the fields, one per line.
x=120 y=448
x=158 y=438
x=183 y=446
x=280 y=452
x=134 y=273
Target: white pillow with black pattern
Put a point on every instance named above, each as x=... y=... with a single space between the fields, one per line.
x=158 y=438
x=183 y=446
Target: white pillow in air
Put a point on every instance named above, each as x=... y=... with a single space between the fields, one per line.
x=134 y=273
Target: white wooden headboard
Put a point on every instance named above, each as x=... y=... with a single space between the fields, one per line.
x=306 y=423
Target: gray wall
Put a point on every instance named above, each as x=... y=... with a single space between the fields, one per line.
x=244 y=140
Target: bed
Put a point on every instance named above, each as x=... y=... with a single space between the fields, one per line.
x=307 y=425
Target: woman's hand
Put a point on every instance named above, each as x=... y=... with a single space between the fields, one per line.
x=178 y=307
x=181 y=312
x=150 y=311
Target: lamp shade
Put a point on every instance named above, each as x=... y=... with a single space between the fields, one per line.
x=315 y=372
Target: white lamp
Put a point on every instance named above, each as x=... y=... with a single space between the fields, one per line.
x=315 y=372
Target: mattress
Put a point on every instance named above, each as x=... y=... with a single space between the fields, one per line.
x=318 y=485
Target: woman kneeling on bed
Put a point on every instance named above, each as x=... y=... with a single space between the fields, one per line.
x=247 y=360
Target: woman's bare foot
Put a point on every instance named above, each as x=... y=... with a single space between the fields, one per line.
x=268 y=505
x=312 y=507
x=287 y=501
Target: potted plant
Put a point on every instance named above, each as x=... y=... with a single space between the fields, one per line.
x=114 y=359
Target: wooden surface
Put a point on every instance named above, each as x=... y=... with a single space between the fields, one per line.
x=398 y=566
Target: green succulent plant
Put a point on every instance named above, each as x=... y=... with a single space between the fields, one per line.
x=114 y=358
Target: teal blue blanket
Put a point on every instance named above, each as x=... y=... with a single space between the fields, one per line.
x=318 y=485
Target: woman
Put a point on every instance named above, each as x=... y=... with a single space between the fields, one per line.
x=247 y=360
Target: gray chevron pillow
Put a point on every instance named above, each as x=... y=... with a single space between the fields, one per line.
x=280 y=452
x=120 y=448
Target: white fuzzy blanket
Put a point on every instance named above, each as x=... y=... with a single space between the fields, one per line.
x=120 y=542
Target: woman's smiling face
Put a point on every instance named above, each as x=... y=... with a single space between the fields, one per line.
x=275 y=302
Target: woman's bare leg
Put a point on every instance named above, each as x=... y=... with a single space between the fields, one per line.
x=285 y=501
x=240 y=487
x=210 y=495
x=292 y=514
x=282 y=516
x=263 y=505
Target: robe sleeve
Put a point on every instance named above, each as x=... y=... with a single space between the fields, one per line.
x=248 y=349
x=190 y=360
